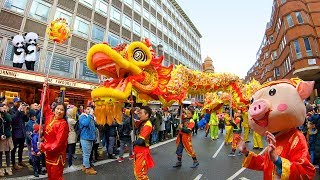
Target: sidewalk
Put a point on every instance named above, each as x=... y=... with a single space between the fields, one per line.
x=27 y=173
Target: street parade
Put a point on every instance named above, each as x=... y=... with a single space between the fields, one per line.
x=134 y=100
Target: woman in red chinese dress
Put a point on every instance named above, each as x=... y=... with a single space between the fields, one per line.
x=55 y=135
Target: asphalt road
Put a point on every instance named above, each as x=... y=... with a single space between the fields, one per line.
x=220 y=167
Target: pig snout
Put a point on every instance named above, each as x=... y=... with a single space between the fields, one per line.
x=259 y=109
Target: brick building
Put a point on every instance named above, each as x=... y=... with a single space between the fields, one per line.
x=290 y=46
x=91 y=21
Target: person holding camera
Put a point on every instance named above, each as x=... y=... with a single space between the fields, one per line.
x=19 y=117
x=6 y=144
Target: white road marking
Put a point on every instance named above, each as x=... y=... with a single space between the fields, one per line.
x=78 y=168
x=198 y=177
x=242 y=169
x=243 y=178
x=217 y=152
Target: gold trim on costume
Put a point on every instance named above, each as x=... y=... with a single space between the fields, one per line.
x=246 y=162
x=286 y=164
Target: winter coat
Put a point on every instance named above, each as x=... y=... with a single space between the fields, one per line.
x=87 y=126
x=29 y=130
x=5 y=125
x=72 y=137
x=18 y=123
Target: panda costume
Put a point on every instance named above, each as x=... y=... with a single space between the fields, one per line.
x=31 y=49
x=19 y=51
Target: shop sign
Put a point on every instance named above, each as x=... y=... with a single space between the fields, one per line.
x=36 y=78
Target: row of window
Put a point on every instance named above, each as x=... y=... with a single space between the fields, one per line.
x=287 y=63
x=81 y=26
x=146 y=14
x=40 y=11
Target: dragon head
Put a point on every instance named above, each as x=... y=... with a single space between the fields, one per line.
x=127 y=67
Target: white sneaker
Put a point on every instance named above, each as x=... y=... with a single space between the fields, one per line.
x=71 y=168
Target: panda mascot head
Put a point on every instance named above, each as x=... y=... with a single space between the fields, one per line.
x=18 y=48
x=31 y=40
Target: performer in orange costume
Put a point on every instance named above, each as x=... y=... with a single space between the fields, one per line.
x=184 y=140
x=56 y=132
x=142 y=156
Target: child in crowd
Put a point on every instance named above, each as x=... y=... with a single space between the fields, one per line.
x=35 y=151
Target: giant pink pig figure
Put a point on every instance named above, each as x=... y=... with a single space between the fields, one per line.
x=275 y=112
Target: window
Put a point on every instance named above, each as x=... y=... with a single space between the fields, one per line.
x=61 y=65
x=113 y=40
x=137 y=7
x=81 y=27
x=299 y=17
x=276 y=72
x=86 y=73
x=115 y=14
x=289 y=19
x=271 y=39
x=87 y=2
x=128 y=2
x=153 y=20
x=17 y=6
x=274 y=55
x=297 y=49
x=145 y=33
x=159 y=25
x=40 y=10
x=102 y=7
x=153 y=3
x=153 y=38
x=136 y=27
x=97 y=33
x=308 y=46
x=146 y=14
x=60 y=13
x=126 y=21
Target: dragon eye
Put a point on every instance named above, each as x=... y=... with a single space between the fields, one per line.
x=139 y=55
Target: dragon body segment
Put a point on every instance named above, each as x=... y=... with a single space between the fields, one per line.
x=135 y=69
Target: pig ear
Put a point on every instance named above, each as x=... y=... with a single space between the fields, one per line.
x=305 y=89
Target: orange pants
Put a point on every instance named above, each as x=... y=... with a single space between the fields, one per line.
x=55 y=172
x=236 y=140
x=140 y=167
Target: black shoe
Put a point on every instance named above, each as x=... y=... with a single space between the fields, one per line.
x=178 y=164
x=255 y=148
x=247 y=141
x=111 y=157
x=195 y=164
x=36 y=174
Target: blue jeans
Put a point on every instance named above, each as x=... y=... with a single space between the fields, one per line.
x=154 y=136
x=112 y=140
x=86 y=151
x=312 y=157
x=122 y=146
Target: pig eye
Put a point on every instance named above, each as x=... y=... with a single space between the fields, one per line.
x=272 y=92
x=251 y=101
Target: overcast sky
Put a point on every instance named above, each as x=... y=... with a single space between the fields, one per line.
x=232 y=30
